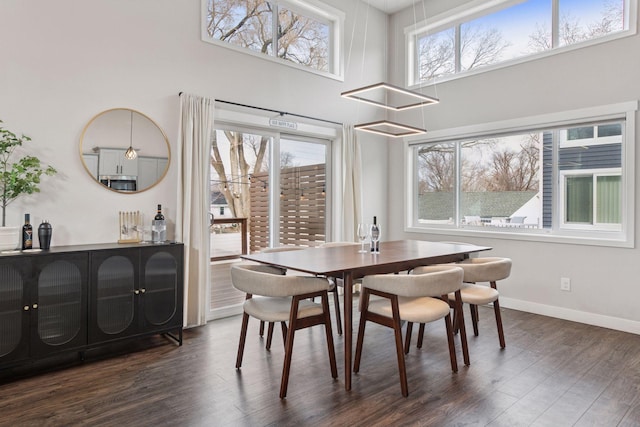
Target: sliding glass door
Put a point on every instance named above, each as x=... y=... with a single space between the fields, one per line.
x=267 y=189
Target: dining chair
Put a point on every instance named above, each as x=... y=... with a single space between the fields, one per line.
x=420 y=297
x=338 y=283
x=483 y=270
x=278 y=298
x=284 y=271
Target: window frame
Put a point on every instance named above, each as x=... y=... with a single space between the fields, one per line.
x=623 y=237
x=456 y=16
x=562 y=186
x=314 y=9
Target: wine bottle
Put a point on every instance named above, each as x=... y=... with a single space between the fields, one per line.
x=158 y=227
x=375 y=236
x=27 y=233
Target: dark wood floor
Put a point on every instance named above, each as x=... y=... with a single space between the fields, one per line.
x=552 y=373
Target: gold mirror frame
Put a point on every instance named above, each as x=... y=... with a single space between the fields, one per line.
x=111 y=133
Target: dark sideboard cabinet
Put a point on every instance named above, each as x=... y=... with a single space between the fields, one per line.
x=75 y=298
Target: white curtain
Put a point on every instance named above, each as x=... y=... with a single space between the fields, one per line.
x=192 y=219
x=352 y=176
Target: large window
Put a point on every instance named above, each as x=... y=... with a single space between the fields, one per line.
x=302 y=33
x=482 y=34
x=572 y=181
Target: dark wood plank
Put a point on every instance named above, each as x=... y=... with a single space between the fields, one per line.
x=552 y=372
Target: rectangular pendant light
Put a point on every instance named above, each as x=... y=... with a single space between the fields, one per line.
x=389 y=96
x=387 y=128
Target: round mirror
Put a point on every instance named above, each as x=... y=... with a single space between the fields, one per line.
x=124 y=150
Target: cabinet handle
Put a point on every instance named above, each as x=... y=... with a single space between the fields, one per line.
x=143 y=290
x=137 y=292
x=26 y=308
x=35 y=306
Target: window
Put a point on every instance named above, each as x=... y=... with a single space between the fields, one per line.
x=484 y=34
x=573 y=182
x=301 y=33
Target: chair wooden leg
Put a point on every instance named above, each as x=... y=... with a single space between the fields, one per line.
x=456 y=321
x=336 y=304
x=329 y=334
x=474 y=318
x=269 y=335
x=364 y=310
x=284 y=333
x=452 y=348
x=420 y=335
x=463 y=330
x=397 y=327
x=496 y=310
x=407 y=341
x=284 y=383
x=243 y=338
x=262 y=328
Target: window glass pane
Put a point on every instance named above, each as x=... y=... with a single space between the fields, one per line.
x=609 y=198
x=580 y=133
x=302 y=193
x=510 y=33
x=582 y=20
x=244 y=23
x=303 y=40
x=239 y=164
x=579 y=199
x=436 y=183
x=436 y=54
x=609 y=130
x=500 y=181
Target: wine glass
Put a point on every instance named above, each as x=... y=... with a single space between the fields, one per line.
x=375 y=238
x=363 y=233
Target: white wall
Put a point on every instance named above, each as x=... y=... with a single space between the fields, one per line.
x=65 y=61
x=604 y=281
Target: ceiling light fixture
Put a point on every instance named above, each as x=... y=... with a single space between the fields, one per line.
x=387 y=128
x=389 y=96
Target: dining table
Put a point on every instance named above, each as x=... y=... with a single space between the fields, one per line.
x=348 y=264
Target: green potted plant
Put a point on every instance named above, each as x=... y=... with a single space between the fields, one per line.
x=17 y=177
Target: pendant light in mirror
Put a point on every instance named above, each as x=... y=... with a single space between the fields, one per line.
x=131 y=154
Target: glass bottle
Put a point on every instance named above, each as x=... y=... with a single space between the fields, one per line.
x=375 y=236
x=27 y=233
x=158 y=227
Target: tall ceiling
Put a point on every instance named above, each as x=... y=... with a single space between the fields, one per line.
x=391 y=6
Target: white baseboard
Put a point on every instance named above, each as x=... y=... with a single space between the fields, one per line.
x=594 y=319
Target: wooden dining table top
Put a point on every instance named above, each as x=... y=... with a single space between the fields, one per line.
x=396 y=255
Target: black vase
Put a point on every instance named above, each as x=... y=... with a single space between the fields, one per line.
x=44 y=235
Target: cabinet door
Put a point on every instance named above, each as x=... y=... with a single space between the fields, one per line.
x=162 y=286
x=109 y=162
x=14 y=309
x=59 y=307
x=114 y=290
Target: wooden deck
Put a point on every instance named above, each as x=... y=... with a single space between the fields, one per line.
x=222 y=292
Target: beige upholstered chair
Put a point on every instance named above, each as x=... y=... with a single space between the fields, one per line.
x=479 y=270
x=338 y=283
x=283 y=271
x=279 y=298
x=414 y=298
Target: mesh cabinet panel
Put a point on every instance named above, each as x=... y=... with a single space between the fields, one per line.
x=161 y=284
x=11 y=287
x=115 y=294
x=59 y=302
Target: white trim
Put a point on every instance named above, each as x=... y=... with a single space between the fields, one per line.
x=594 y=174
x=616 y=323
x=476 y=8
x=316 y=10
x=624 y=238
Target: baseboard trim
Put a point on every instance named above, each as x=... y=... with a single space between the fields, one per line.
x=594 y=319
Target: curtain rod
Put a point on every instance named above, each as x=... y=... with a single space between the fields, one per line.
x=282 y=113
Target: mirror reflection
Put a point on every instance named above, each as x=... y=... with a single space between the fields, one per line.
x=124 y=150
